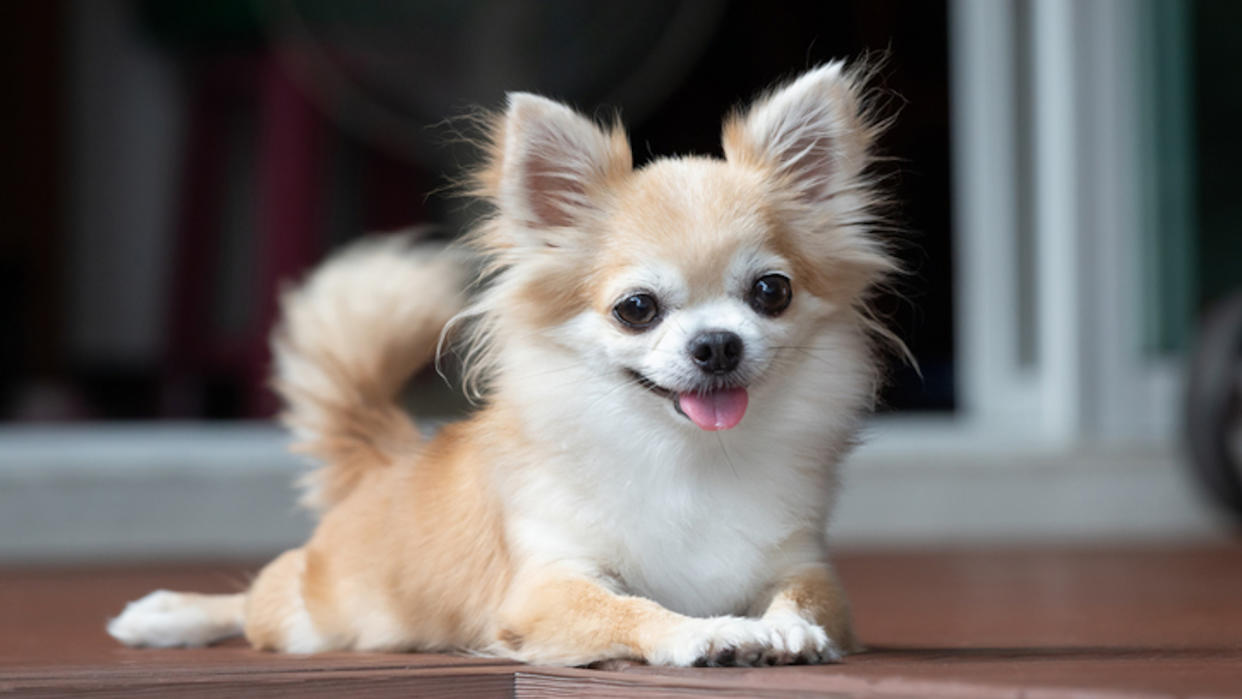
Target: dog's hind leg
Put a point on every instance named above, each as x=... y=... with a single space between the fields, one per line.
x=272 y=615
x=276 y=613
x=166 y=619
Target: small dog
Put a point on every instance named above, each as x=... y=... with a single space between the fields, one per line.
x=674 y=359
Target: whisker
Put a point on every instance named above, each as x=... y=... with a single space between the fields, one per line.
x=625 y=382
x=724 y=450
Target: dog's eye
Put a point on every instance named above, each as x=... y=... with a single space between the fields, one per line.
x=771 y=294
x=638 y=311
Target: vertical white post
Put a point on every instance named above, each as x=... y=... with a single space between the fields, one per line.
x=1058 y=77
x=1110 y=255
x=1059 y=233
x=992 y=394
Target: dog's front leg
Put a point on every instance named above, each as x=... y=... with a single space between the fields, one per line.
x=810 y=609
x=565 y=619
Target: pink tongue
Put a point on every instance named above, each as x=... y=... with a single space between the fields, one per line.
x=718 y=410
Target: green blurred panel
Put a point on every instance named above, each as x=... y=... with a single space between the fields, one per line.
x=1168 y=173
x=1190 y=147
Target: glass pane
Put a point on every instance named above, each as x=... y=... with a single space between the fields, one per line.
x=202 y=167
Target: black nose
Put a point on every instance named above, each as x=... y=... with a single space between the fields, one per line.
x=716 y=351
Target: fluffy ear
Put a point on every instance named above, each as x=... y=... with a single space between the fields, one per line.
x=814 y=137
x=811 y=132
x=550 y=162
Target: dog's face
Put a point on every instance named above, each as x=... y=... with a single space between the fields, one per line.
x=694 y=293
x=691 y=280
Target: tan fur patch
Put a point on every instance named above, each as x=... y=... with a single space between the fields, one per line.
x=273 y=599
x=692 y=213
x=512 y=639
x=817 y=595
x=413 y=558
x=575 y=621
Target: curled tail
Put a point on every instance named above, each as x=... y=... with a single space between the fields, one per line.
x=349 y=337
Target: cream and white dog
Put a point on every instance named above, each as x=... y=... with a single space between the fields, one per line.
x=673 y=361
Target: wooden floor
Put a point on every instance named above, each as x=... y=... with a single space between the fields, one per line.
x=1051 y=623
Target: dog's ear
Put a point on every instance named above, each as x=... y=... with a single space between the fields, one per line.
x=811 y=133
x=550 y=163
x=813 y=138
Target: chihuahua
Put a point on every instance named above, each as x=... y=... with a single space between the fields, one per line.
x=672 y=360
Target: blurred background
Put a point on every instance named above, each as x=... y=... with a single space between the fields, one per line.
x=1064 y=172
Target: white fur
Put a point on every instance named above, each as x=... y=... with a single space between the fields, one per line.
x=301 y=636
x=793 y=636
x=750 y=639
x=165 y=619
x=697 y=521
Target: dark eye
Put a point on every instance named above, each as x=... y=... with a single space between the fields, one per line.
x=771 y=294
x=638 y=311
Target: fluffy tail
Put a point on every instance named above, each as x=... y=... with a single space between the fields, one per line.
x=349 y=337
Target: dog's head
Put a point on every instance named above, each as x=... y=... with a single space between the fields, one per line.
x=694 y=281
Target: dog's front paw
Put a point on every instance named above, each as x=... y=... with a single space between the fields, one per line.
x=796 y=641
x=718 y=641
x=777 y=639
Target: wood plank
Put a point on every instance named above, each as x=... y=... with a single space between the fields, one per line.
x=1142 y=622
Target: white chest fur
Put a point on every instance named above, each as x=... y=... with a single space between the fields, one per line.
x=693 y=520
x=617 y=483
x=708 y=541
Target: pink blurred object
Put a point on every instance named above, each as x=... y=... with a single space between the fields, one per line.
x=290 y=172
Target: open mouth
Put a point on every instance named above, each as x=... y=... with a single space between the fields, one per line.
x=709 y=409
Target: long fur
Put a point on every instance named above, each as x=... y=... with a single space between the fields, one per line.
x=349 y=337
x=583 y=512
